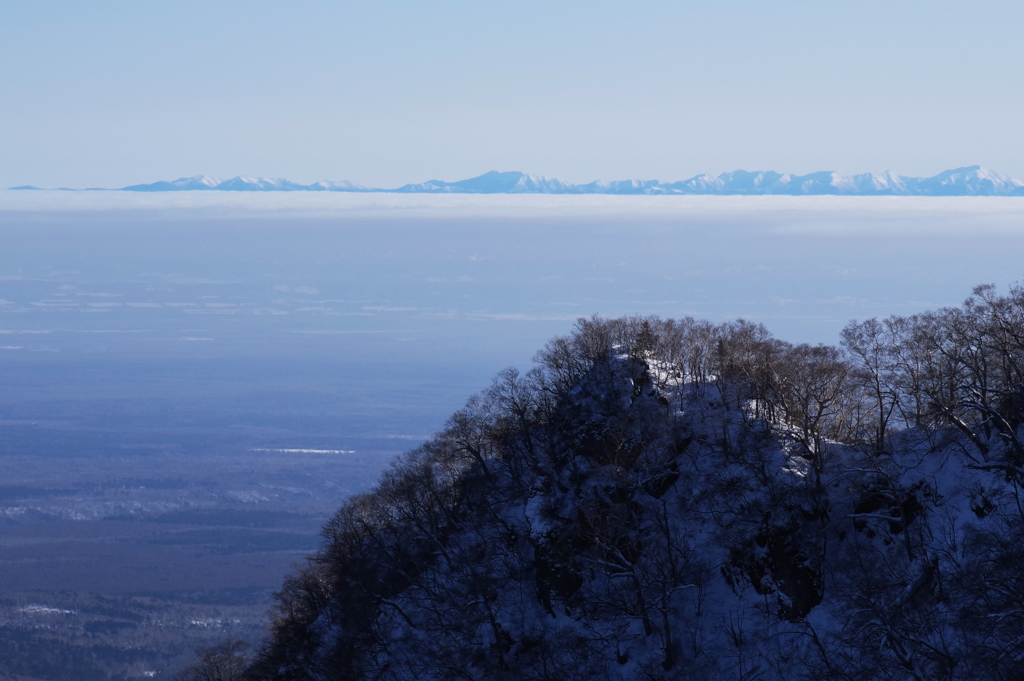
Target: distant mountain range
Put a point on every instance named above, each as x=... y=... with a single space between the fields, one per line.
x=968 y=181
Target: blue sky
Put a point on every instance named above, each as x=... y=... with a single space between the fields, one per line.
x=389 y=92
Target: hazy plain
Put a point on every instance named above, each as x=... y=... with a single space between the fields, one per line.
x=192 y=382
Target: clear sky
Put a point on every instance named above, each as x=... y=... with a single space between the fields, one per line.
x=385 y=92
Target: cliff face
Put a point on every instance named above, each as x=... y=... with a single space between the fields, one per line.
x=670 y=499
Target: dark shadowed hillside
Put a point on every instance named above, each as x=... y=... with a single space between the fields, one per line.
x=667 y=499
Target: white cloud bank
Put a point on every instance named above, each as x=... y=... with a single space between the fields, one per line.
x=784 y=214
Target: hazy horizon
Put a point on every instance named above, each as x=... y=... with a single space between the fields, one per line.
x=348 y=185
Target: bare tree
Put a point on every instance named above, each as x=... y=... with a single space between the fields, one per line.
x=226 y=661
x=871 y=345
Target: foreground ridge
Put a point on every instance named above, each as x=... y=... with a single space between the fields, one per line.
x=967 y=181
x=671 y=499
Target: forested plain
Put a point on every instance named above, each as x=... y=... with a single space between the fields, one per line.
x=675 y=499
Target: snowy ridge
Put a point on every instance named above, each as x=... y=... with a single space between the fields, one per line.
x=966 y=181
x=493 y=182
x=198 y=182
x=243 y=184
